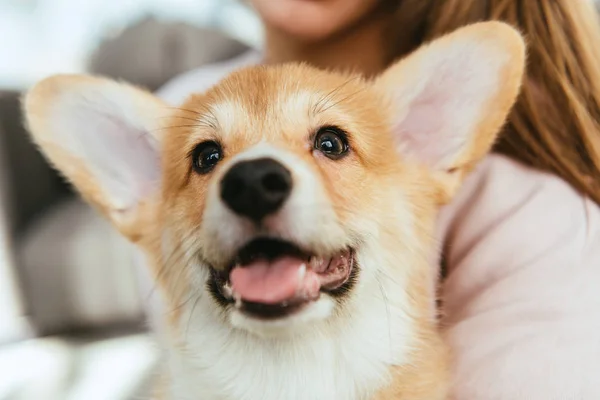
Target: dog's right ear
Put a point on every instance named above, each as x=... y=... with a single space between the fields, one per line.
x=449 y=99
x=104 y=137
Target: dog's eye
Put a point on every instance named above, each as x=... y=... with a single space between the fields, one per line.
x=332 y=142
x=205 y=156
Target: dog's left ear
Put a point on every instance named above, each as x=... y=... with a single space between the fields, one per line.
x=449 y=99
x=104 y=137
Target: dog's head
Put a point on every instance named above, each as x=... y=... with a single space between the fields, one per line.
x=285 y=193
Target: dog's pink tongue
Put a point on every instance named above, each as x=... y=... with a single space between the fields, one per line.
x=272 y=282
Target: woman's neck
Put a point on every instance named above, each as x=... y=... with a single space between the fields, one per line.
x=360 y=48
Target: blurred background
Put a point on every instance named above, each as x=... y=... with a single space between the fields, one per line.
x=72 y=324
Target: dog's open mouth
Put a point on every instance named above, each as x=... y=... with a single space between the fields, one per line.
x=272 y=278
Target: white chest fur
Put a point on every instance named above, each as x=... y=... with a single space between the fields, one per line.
x=348 y=360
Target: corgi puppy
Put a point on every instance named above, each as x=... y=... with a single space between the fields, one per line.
x=288 y=213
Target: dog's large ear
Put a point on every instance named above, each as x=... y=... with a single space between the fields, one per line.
x=450 y=98
x=104 y=137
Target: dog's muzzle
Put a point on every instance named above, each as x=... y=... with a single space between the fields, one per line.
x=269 y=274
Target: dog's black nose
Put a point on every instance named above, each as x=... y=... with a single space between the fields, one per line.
x=256 y=188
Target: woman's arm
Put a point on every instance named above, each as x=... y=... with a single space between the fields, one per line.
x=522 y=294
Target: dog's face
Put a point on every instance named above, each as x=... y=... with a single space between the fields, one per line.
x=285 y=193
x=281 y=196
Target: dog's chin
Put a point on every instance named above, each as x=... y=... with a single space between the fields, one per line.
x=271 y=287
x=294 y=324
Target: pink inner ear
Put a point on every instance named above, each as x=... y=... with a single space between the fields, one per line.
x=122 y=158
x=418 y=130
x=439 y=118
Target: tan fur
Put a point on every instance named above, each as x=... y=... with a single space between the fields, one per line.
x=284 y=106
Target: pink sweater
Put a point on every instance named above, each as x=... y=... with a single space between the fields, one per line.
x=522 y=294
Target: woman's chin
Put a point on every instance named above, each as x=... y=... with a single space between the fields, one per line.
x=311 y=20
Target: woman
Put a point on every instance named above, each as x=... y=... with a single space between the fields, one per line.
x=522 y=241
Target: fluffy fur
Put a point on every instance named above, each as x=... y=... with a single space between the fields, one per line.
x=414 y=132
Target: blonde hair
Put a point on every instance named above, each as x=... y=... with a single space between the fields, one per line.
x=555 y=125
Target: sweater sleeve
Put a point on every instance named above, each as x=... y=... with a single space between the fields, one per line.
x=522 y=291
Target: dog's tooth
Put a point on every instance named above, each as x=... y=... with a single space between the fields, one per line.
x=227 y=291
x=318 y=264
x=302 y=272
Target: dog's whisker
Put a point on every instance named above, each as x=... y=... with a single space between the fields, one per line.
x=343 y=99
x=317 y=108
x=197 y=125
x=193 y=309
x=180 y=117
x=184 y=110
x=182 y=304
x=387 y=311
x=175 y=259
